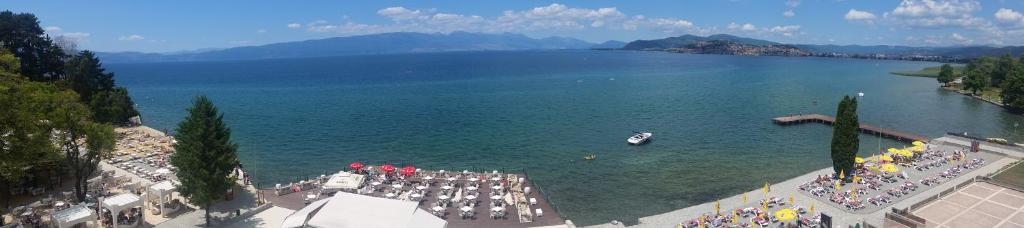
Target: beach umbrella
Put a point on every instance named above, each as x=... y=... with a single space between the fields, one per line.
x=917 y=143
x=791 y=198
x=892 y=150
x=785 y=215
x=408 y=170
x=356 y=166
x=885 y=158
x=838 y=187
x=744 y=198
x=718 y=207
x=766 y=189
x=917 y=149
x=812 y=208
x=842 y=174
x=387 y=168
x=889 y=168
x=858 y=160
x=854 y=193
x=735 y=218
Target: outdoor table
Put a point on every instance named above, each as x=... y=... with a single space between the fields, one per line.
x=437 y=208
x=311 y=196
x=497 y=209
x=471 y=188
x=59 y=204
x=421 y=187
x=390 y=195
x=474 y=179
x=396 y=186
x=415 y=195
x=375 y=183
x=466 y=209
x=443 y=198
x=471 y=197
x=451 y=179
x=446 y=187
x=496 y=187
x=495 y=178
x=428 y=178
x=496 y=197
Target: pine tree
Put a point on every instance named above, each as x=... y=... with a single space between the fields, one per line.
x=204 y=155
x=845 y=132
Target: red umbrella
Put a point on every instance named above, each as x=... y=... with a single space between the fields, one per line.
x=356 y=165
x=408 y=170
x=388 y=168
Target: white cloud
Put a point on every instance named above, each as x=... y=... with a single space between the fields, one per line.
x=52 y=29
x=261 y=31
x=1008 y=16
x=132 y=37
x=744 y=27
x=549 y=19
x=961 y=39
x=785 y=30
x=294 y=25
x=855 y=15
x=792 y=3
x=919 y=8
x=789 y=13
x=76 y=35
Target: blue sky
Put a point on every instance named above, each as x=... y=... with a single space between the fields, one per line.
x=165 y=26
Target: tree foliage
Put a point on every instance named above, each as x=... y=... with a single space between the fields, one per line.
x=1013 y=90
x=946 y=74
x=977 y=78
x=845 y=133
x=204 y=154
x=113 y=106
x=86 y=76
x=41 y=59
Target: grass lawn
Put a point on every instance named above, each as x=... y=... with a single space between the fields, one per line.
x=930 y=72
x=990 y=93
x=1014 y=175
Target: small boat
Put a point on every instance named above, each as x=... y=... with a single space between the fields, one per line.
x=590 y=157
x=639 y=138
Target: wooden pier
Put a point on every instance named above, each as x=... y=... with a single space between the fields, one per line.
x=864 y=128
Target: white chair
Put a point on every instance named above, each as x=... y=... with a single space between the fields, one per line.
x=533 y=201
x=540 y=213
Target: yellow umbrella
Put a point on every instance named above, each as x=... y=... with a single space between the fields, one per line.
x=858 y=160
x=785 y=215
x=885 y=158
x=890 y=168
x=837 y=186
x=744 y=198
x=718 y=207
x=854 y=193
x=812 y=208
x=766 y=189
x=917 y=143
x=790 y=198
x=892 y=150
x=856 y=179
x=917 y=149
x=735 y=218
x=842 y=174
x=875 y=158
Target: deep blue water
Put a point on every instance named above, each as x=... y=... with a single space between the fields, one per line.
x=544 y=110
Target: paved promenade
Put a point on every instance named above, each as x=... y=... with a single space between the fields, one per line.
x=841 y=218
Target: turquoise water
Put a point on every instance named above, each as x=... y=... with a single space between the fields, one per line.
x=543 y=111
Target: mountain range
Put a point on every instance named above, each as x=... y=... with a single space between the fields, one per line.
x=383 y=43
x=410 y=42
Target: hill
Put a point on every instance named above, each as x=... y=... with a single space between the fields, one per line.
x=384 y=43
x=717 y=44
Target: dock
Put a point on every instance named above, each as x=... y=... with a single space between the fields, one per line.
x=864 y=128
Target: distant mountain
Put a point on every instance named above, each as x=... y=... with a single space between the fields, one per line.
x=717 y=44
x=384 y=43
x=611 y=44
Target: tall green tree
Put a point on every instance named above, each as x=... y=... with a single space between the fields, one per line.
x=845 y=133
x=24 y=136
x=946 y=74
x=41 y=59
x=113 y=106
x=1013 y=90
x=977 y=78
x=82 y=142
x=1003 y=67
x=86 y=75
x=204 y=155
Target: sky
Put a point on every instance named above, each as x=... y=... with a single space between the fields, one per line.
x=171 y=26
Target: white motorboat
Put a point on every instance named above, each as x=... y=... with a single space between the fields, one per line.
x=639 y=138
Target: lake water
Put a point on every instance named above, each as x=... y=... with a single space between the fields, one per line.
x=542 y=111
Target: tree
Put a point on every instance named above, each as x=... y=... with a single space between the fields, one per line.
x=204 y=155
x=86 y=75
x=977 y=77
x=114 y=106
x=1013 y=90
x=946 y=74
x=20 y=33
x=845 y=133
x=25 y=140
x=1003 y=66
x=83 y=142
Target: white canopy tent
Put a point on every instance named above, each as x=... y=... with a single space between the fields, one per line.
x=354 y=210
x=119 y=203
x=74 y=215
x=300 y=217
x=343 y=181
x=162 y=190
